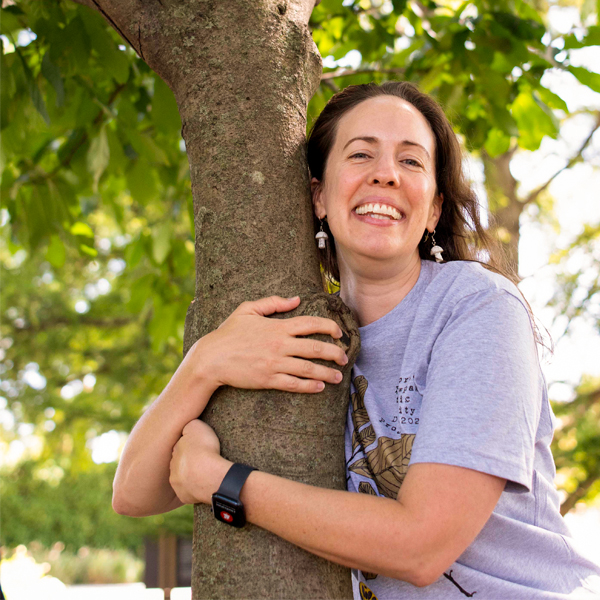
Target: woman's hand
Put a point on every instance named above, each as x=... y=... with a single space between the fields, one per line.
x=251 y=351
x=197 y=467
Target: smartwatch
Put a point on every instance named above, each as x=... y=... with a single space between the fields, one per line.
x=226 y=504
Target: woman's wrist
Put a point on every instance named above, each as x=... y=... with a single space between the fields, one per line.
x=205 y=373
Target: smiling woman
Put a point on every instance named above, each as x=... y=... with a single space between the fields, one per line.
x=431 y=150
x=449 y=471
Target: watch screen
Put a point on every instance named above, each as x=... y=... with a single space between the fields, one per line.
x=228 y=510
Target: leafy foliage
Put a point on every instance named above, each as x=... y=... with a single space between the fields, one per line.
x=576 y=445
x=75 y=510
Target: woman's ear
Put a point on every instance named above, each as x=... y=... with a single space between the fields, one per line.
x=435 y=212
x=316 y=190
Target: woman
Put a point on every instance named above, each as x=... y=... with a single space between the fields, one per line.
x=449 y=423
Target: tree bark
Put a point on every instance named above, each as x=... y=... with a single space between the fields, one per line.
x=242 y=74
x=503 y=203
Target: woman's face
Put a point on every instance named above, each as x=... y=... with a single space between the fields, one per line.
x=379 y=193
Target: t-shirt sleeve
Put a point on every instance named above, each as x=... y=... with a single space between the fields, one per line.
x=482 y=396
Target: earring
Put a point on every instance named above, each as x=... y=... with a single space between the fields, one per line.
x=321 y=237
x=435 y=249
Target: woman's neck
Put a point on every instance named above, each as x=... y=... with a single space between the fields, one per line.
x=370 y=296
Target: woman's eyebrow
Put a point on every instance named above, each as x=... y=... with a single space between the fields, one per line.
x=374 y=140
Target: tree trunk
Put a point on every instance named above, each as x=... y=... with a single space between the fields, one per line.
x=504 y=203
x=243 y=73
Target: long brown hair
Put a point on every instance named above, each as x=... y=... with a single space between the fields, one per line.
x=459 y=231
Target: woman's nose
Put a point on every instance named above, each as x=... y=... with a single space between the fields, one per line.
x=385 y=172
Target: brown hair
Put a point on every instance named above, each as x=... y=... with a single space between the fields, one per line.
x=459 y=231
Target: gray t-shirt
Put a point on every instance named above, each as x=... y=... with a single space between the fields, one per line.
x=451 y=375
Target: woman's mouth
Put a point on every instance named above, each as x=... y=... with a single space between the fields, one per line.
x=379 y=212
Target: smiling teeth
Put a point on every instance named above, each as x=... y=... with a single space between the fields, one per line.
x=377 y=210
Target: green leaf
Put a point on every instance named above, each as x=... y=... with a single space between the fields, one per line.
x=52 y=73
x=85 y=249
x=162 y=325
x=145 y=146
x=76 y=45
x=113 y=60
x=98 y=156
x=140 y=292
x=141 y=181
x=118 y=161
x=533 y=121
x=9 y=22
x=38 y=100
x=592 y=80
x=56 y=253
x=592 y=38
x=161 y=242
x=80 y=228
x=552 y=99
x=134 y=252
x=497 y=142
x=165 y=114
x=399 y=6
x=34 y=90
x=503 y=120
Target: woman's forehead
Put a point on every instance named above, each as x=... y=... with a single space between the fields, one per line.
x=386 y=118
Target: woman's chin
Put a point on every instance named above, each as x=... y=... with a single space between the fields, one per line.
x=378 y=253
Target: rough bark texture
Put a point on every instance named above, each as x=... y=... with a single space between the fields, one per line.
x=295 y=436
x=243 y=73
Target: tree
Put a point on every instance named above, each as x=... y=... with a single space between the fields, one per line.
x=246 y=153
x=108 y=167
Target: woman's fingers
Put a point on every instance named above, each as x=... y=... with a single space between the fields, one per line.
x=268 y=306
x=288 y=383
x=311 y=325
x=307 y=348
x=309 y=370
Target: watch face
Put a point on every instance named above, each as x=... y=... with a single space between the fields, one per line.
x=228 y=510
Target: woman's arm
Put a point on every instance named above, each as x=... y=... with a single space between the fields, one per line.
x=246 y=351
x=439 y=511
x=141 y=486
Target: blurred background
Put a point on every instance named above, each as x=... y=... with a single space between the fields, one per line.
x=97 y=249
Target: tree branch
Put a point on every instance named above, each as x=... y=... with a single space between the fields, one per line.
x=575 y=159
x=579 y=493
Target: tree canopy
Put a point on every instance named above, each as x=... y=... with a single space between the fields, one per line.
x=97 y=240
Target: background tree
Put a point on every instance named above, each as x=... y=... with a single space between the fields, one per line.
x=98 y=219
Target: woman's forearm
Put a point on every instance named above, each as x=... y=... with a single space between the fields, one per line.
x=356 y=530
x=141 y=486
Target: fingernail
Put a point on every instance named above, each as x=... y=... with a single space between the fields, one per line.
x=338 y=376
x=345 y=359
x=293 y=298
x=320 y=386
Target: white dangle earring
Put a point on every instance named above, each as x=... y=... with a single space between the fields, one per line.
x=321 y=237
x=435 y=249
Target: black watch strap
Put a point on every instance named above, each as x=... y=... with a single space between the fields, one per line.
x=232 y=483
x=226 y=504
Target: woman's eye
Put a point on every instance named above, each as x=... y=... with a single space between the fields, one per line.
x=412 y=162
x=359 y=155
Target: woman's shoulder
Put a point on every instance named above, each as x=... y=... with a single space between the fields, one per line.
x=466 y=291
x=459 y=280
